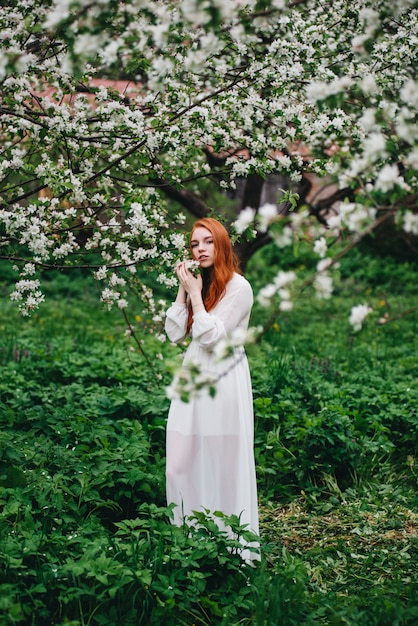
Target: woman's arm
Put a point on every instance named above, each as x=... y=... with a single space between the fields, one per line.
x=181 y=295
x=192 y=285
x=232 y=311
x=177 y=314
x=176 y=322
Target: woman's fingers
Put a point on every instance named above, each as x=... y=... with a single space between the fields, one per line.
x=187 y=279
x=182 y=270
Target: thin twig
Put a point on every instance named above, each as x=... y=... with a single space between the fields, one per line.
x=137 y=341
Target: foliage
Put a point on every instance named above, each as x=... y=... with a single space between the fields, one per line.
x=214 y=93
x=85 y=536
x=334 y=403
x=360 y=554
x=218 y=92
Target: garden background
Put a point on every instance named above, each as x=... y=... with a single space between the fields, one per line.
x=295 y=123
x=85 y=535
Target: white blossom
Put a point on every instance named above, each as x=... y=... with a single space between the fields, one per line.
x=409 y=93
x=320 y=246
x=412 y=159
x=323 y=286
x=286 y=305
x=285 y=238
x=192 y=266
x=410 y=222
x=334 y=222
x=368 y=84
x=318 y=90
x=245 y=219
x=374 y=146
x=276 y=93
x=358 y=315
x=265 y=294
x=387 y=178
x=277 y=287
x=29 y=269
x=28 y=295
x=367 y=121
x=236 y=339
x=178 y=240
x=356 y=216
x=283 y=279
x=325 y=264
x=60 y=11
x=266 y=215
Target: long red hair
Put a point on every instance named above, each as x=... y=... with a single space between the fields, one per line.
x=225 y=265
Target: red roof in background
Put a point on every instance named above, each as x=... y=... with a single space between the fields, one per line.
x=126 y=88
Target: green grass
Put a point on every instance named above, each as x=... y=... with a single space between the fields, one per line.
x=85 y=536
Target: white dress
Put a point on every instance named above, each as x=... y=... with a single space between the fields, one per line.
x=210 y=455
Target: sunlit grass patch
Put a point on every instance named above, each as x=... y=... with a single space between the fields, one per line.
x=356 y=544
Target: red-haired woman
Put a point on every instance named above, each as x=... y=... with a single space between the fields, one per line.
x=210 y=457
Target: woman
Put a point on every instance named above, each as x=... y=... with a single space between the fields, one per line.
x=210 y=458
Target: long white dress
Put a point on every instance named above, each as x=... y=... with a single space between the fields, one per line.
x=210 y=456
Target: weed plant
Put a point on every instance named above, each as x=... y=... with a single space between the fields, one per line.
x=85 y=535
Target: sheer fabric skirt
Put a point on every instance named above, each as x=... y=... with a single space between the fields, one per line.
x=210 y=456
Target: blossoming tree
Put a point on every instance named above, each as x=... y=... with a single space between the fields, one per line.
x=213 y=93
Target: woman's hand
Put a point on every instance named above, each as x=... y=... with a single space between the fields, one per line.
x=190 y=283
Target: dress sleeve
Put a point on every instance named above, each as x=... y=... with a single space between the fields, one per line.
x=232 y=311
x=176 y=322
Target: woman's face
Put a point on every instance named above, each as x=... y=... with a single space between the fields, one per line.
x=203 y=249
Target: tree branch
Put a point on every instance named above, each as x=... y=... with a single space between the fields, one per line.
x=187 y=199
x=352 y=244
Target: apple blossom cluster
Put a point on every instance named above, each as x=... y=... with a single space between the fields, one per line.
x=27 y=295
x=410 y=222
x=230 y=346
x=279 y=287
x=189 y=381
x=193 y=266
x=323 y=282
x=213 y=91
x=358 y=315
